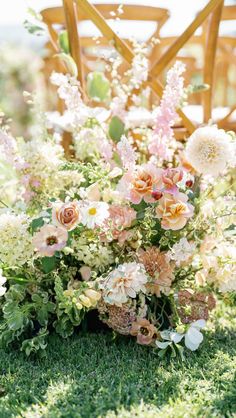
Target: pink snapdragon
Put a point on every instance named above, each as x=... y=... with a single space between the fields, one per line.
x=166 y=115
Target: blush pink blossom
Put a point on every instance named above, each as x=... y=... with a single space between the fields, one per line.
x=171 y=177
x=50 y=239
x=166 y=115
x=126 y=153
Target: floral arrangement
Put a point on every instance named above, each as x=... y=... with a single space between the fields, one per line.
x=129 y=226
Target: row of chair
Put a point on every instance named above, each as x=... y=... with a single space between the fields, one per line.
x=217 y=52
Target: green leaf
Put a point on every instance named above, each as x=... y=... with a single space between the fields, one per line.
x=36 y=224
x=98 y=86
x=116 y=129
x=48 y=264
x=64 y=42
x=36 y=344
x=15 y=318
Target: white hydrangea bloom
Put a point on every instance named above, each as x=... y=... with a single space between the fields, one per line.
x=92 y=252
x=209 y=150
x=16 y=242
x=181 y=251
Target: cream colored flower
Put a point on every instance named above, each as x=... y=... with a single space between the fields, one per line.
x=16 y=242
x=123 y=283
x=209 y=150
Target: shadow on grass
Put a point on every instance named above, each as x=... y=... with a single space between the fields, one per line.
x=89 y=375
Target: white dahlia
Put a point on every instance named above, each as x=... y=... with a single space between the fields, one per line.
x=123 y=283
x=209 y=150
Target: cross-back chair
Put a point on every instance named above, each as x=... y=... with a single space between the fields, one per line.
x=222 y=112
x=69 y=15
x=84 y=7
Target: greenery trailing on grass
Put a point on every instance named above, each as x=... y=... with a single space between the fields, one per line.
x=94 y=375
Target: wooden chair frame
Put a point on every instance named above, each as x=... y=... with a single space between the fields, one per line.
x=84 y=7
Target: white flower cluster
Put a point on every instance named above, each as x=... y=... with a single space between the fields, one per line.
x=92 y=142
x=181 y=252
x=92 y=252
x=16 y=242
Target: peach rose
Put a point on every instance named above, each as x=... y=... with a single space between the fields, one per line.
x=140 y=183
x=66 y=215
x=174 y=211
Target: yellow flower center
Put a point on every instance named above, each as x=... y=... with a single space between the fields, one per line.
x=92 y=211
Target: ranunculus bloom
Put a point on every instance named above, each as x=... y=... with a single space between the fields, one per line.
x=144 y=331
x=50 y=239
x=174 y=211
x=66 y=214
x=140 y=183
x=171 y=177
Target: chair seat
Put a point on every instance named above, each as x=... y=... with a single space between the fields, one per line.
x=195 y=113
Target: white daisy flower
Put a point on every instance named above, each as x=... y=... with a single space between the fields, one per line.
x=209 y=150
x=94 y=214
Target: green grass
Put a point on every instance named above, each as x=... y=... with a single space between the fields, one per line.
x=92 y=375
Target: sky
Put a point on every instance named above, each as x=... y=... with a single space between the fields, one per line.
x=14 y=12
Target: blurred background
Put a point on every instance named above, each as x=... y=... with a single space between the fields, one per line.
x=26 y=60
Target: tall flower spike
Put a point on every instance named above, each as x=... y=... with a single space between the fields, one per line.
x=166 y=113
x=126 y=153
x=10 y=151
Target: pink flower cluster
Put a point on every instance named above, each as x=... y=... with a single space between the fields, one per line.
x=166 y=113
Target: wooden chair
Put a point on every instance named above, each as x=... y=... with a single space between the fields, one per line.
x=69 y=15
x=213 y=9
x=225 y=58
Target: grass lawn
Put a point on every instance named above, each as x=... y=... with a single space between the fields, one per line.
x=92 y=375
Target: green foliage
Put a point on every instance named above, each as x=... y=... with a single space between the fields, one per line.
x=98 y=87
x=48 y=264
x=64 y=42
x=43 y=307
x=116 y=129
x=68 y=305
x=36 y=344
